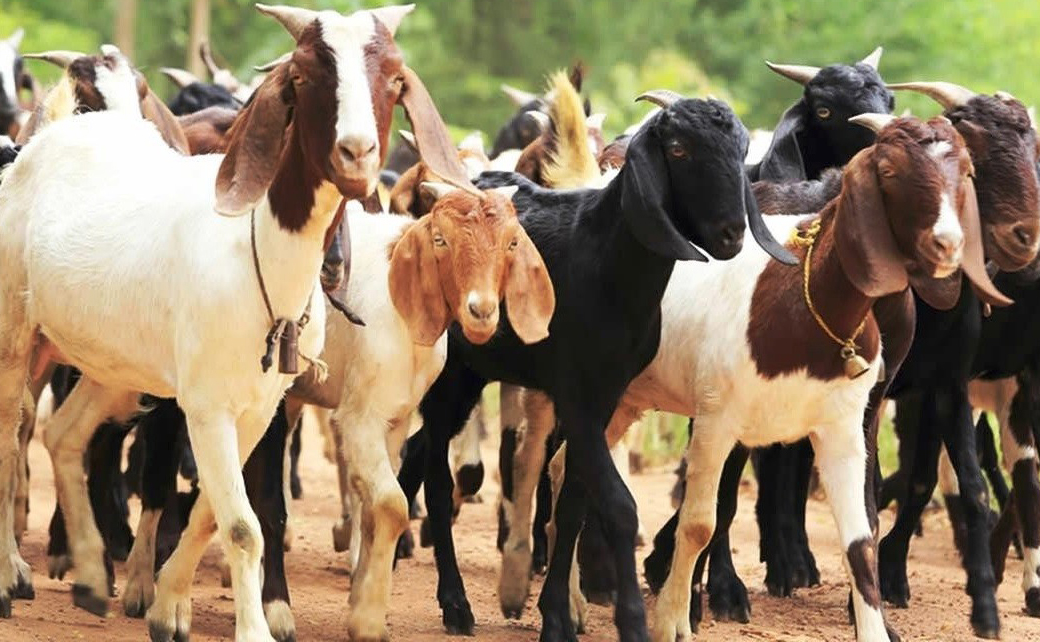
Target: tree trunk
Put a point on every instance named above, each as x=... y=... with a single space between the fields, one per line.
x=126 y=19
x=198 y=33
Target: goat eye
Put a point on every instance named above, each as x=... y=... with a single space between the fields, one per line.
x=397 y=82
x=676 y=150
x=439 y=241
x=823 y=113
x=514 y=243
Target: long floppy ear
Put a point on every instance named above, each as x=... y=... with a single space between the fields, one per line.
x=973 y=262
x=169 y=127
x=646 y=198
x=255 y=144
x=530 y=297
x=866 y=247
x=761 y=232
x=431 y=135
x=782 y=162
x=415 y=286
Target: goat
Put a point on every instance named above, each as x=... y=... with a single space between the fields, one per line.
x=521 y=130
x=625 y=235
x=735 y=391
x=178 y=344
x=407 y=195
x=14 y=79
x=193 y=95
x=814 y=133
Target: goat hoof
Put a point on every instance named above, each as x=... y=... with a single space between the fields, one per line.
x=58 y=566
x=5 y=605
x=696 y=608
x=984 y=619
x=457 y=616
x=895 y=589
x=159 y=633
x=85 y=598
x=655 y=570
x=469 y=478
x=539 y=560
x=24 y=590
x=296 y=487
x=1033 y=602
x=341 y=536
x=557 y=629
x=280 y=621
x=728 y=601
x=425 y=533
x=892 y=635
x=405 y=546
x=779 y=582
x=134 y=608
x=512 y=613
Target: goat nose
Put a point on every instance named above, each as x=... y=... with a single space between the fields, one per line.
x=948 y=243
x=356 y=147
x=480 y=307
x=732 y=234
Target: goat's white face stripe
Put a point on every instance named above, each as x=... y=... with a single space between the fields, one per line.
x=118 y=87
x=7 y=58
x=347 y=37
x=947 y=224
x=939 y=149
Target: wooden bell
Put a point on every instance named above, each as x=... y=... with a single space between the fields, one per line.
x=288 y=350
x=855 y=365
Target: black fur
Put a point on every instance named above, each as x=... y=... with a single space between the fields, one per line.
x=198 y=96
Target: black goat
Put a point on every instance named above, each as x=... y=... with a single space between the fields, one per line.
x=609 y=254
x=198 y=96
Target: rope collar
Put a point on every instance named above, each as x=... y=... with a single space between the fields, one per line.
x=284 y=332
x=854 y=364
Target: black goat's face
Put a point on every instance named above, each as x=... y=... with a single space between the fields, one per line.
x=684 y=182
x=839 y=92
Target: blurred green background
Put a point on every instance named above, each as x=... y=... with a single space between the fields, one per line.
x=464 y=49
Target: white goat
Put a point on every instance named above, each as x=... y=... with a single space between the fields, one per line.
x=114 y=254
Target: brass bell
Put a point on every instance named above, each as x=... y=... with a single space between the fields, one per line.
x=855 y=365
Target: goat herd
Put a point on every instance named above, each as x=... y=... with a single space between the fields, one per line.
x=202 y=260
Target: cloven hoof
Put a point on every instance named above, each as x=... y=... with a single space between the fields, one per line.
x=85 y=598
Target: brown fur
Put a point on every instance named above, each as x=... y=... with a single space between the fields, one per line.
x=881 y=221
x=484 y=250
x=863 y=563
x=407 y=195
x=613 y=155
x=206 y=130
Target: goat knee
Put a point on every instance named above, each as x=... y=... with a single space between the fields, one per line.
x=244 y=538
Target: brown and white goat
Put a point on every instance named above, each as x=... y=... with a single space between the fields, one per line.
x=151 y=294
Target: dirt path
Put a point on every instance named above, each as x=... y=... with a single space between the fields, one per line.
x=318 y=580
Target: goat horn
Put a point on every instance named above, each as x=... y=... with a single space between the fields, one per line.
x=110 y=50
x=518 y=96
x=436 y=189
x=409 y=139
x=294 y=19
x=539 y=117
x=946 y=94
x=15 y=39
x=872 y=121
x=266 y=68
x=663 y=98
x=392 y=15
x=60 y=57
x=474 y=142
x=180 y=77
x=1005 y=96
x=206 y=54
x=801 y=74
x=873 y=59
x=506 y=190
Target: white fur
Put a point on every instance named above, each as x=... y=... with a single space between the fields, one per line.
x=123 y=264
x=118 y=87
x=8 y=55
x=947 y=224
x=377 y=376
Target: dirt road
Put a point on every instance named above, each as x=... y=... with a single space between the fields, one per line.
x=318 y=580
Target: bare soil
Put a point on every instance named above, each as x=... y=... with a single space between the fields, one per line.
x=319 y=581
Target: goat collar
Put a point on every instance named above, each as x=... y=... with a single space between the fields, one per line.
x=284 y=331
x=855 y=365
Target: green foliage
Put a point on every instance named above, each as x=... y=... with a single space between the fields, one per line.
x=464 y=49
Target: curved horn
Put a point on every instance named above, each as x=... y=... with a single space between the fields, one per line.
x=110 y=50
x=872 y=121
x=595 y=121
x=180 y=77
x=873 y=59
x=518 y=96
x=15 y=39
x=266 y=68
x=391 y=16
x=206 y=54
x=60 y=57
x=801 y=74
x=436 y=189
x=409 y=139
x=946 y=94
x=663 y=98
x=294 y=19
x=539 y=117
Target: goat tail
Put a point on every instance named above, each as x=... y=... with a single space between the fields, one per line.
x=571 y=163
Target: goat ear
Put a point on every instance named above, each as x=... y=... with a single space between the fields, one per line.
x=169 y=127
x=530 y=297
x=973 y=263
x=866 y=247
x=415 y=286
x=646 y=197
x=431 y=135
x=782 y=162
x=761 y=232
x=256 y=143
